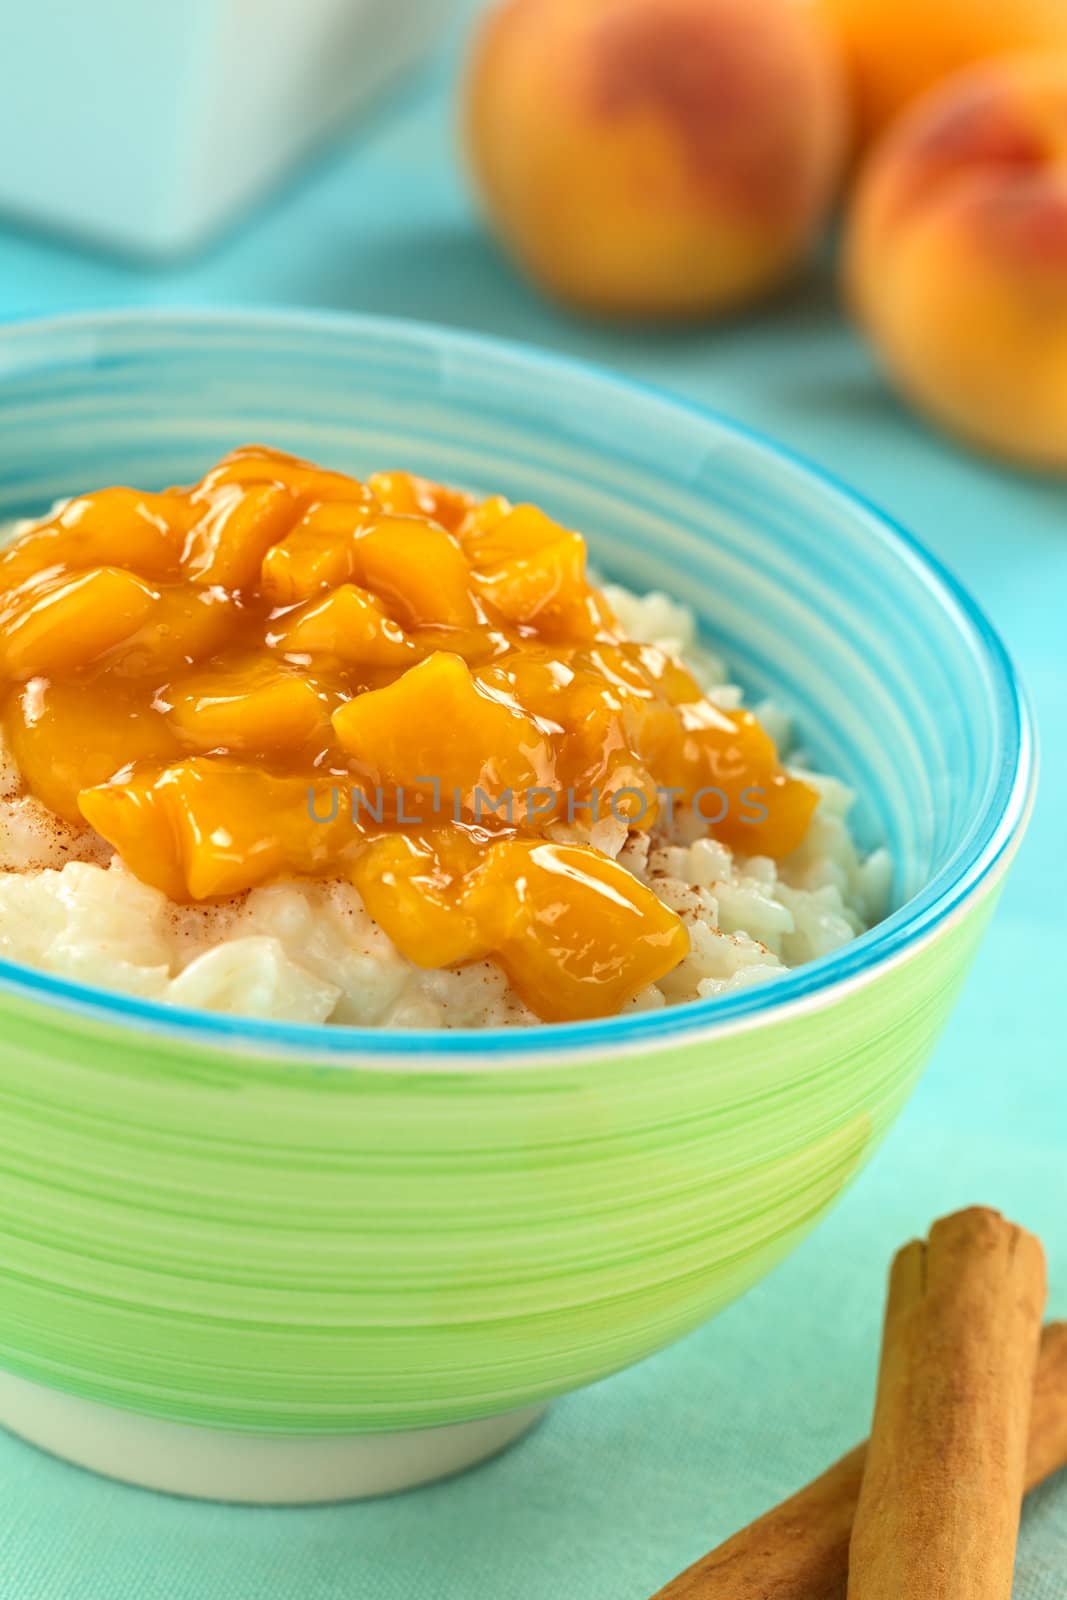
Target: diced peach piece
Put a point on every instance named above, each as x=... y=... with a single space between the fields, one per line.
x=227 y=545
x=350 y=624
x=576 y=933
x=304 y=481
x=417 y=569
x=772 y=823
x=317 y=554
x=414 y=886
x=533 y=572
x=193 y=830
x=728 y=763
x=227 y=843
x=69 y=735
x=186 y=626
x=135 y=820
x=497 y=532
x=256 y=708
x=436 y=723
x=207 y=827
x=482 y=518
x=116 y=527
x=404 y=494
x=68 y=622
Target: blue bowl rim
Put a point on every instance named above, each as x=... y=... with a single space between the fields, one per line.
x=818 y=983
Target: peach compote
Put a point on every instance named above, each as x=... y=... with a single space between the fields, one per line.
x=284 y=671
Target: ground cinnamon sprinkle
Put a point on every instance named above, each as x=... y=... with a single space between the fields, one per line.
x=800 y=1549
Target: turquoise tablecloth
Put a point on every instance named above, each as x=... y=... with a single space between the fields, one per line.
x=623 y=1485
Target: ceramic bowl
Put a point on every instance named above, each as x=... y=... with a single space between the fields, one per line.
x=264 y=1261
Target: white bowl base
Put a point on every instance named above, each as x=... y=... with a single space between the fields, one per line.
x=251 y=1468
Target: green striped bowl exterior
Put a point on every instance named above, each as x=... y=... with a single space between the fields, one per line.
x=249 y=1242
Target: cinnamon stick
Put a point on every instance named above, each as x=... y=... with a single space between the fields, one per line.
x=1046 y=1452
x=799 y=1550
x=938 y=1512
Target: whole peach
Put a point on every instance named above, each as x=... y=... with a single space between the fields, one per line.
x=956 y=256
x=655 y=157
x=895 y=50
